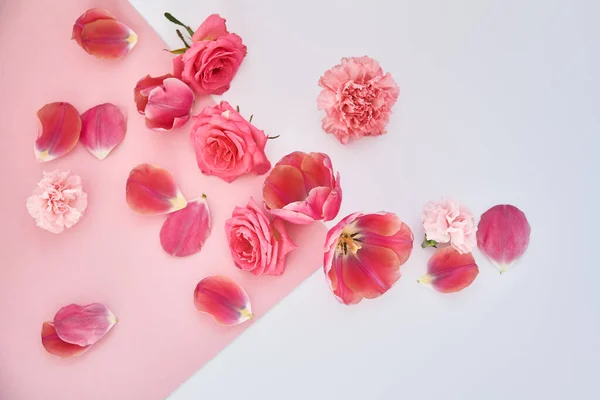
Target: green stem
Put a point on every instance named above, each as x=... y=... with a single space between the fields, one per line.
x=273 y=137
x=428 y=243
x=182 y=39
x=174 y=20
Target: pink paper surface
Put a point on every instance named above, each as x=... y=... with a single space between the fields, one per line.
x=112 y=255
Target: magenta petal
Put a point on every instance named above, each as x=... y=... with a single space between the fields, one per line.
x=169 y=104
x=503 y=235
x=224 y=299
x=55 y=345
x=83 y=325
x=185 y=231
x=449 y=271
x=103 y=129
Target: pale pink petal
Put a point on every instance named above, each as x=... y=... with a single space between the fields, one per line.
x=151 y=189
x=185 y=231
x=212 y=28
x=55 y=345
x=449 y=271
x=295 y=213
x=503 y=235
x=60 y=127
x=83 y=325
x=103 y=129
x=224 y=299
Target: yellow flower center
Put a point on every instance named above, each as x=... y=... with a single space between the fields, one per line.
x=348 y=242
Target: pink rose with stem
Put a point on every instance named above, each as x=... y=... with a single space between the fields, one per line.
x=357 y=98
x=211 y=61
x=257 y=244
x=58 y=202
x=227 y=145
x=447 y=221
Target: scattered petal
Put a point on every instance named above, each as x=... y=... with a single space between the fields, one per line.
x=503 y=235
x=151 y=189
x=363 y=255
x=83 y=325
x=224 y=299
x=103 y=129
x=59 y=132
x=99 y=33
x=54 y=345
x=449 y=271
x=185 y=231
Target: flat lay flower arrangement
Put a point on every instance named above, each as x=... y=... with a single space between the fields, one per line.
x=363 y=253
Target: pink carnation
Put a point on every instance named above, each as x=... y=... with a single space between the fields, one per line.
x=448 y=221
x=58 y=201
x=357 y=98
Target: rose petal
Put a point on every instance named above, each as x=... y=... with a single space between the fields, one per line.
x=503 y=235
x=185 y=231
x=363 y=255
x=151 y=189
x=449 y=271
x=83 y=325
x=106 y=38
x=224 y=299
x=59 y=132
x=54 y=345
x=212 y=28
x=103 y=129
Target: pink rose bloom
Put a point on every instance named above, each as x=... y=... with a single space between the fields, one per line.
x=213 y=59
x=257 y=245
x=448 y=221
x=165 y=101
x=227 y=145
x=58 y=202
x=303 y=188
x=357 y=98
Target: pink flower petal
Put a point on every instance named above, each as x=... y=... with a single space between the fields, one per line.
x=103 y=129
x=151 y=189
x=212 y=28
x=104 y=37
x=55 y=345
x=143 y=88
x=363 y=255
x=185 y=231
x=503 y=235
x=224 y=299
x=59 y=132
x=90 y=15
x=83 y=325
x=449 y=271
x=168 y=104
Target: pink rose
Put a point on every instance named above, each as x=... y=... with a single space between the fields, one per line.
x=448 y=221
x=58 y=202
x=213 y=59
x=165 y=101
x=257 y=245
x=227 y=145
x=357 y=98
x=303 y=188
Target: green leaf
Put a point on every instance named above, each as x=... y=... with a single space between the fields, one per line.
x=178 y=51
x=174 y=20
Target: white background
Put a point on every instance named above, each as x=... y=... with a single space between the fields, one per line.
x=499 y=103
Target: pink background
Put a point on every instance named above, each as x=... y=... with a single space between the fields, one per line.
x=112 y=255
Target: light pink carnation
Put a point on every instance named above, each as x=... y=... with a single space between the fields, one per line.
x=448 y=221
x=357 y=98
x=58 y=201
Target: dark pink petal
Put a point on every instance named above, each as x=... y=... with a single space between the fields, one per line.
x=103 y=129
x=224 y=299
x=107 y=39
x=168 y=105
x=83 y=325
x=449 y=271
x=503 y=235
x=363 y=255
x=185 y=231
x=143 y=88
x=60 y=127
x=55 y=345
x=87 y=17
x=212 y=28
x=151 y=189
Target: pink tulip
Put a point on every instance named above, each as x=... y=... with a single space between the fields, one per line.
x=303 y=188
x=165 y=101
x=363 y=255
x=100 y=34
